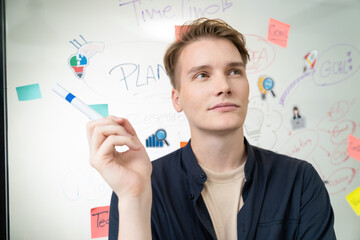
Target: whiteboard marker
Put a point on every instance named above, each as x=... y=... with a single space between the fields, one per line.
x=76 y=102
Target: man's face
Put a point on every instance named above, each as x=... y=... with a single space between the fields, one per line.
x=214 y=89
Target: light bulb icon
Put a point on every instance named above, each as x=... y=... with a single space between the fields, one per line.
x=265 y=84
x=85 y=51
x=78 y=63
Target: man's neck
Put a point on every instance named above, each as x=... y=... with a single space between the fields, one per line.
x=219 y=152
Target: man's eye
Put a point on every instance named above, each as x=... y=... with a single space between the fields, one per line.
x=201 y=75
x=235 y=72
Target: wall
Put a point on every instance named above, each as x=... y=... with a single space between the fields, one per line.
x=52 y=186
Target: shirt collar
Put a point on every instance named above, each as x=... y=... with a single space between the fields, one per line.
x=193 y=168
x=250 y=162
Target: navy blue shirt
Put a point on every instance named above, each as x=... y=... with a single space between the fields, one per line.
x=284 y=198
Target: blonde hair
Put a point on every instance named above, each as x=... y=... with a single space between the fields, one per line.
x=202 y=28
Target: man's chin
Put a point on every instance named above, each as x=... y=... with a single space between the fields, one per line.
x=225 y=129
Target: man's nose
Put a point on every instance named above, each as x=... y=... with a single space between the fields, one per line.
x=221 y=85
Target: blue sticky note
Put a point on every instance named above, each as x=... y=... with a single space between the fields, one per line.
x=28 y=92
x=101 y=108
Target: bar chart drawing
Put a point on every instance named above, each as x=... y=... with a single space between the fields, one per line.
x=152 y=141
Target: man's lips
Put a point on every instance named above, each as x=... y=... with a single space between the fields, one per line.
x=224 y=106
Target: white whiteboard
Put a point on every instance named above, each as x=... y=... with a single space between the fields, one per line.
x=51 y=185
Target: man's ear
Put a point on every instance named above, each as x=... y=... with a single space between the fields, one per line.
x=175 y=100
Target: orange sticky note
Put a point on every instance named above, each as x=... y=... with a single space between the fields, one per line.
x=278 y=32
x=354 y=147
x=178 y=28
x=183 y=144
x=100 y=222
x=354 y=200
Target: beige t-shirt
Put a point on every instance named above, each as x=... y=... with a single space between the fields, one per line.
x=222 y=196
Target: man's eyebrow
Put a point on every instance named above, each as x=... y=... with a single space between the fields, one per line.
x=202 y=67
x=236 y=64
x=198 y=68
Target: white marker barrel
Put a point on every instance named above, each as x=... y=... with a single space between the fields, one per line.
x=76 y=102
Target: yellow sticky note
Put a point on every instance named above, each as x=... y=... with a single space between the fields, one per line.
x=354 y=200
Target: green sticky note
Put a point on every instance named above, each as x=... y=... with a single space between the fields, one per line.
x=101 y=108
x=28 y=92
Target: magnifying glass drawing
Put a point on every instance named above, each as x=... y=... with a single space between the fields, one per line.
x=268 y=84
x=161 y=135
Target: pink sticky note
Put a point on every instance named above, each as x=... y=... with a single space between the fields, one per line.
x=177 y=32
x=100 y=222
x=178 y=28
x=354 y=147
x=278 y=32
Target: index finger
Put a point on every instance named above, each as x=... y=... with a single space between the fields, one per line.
x=126 y=125
x=90 y=126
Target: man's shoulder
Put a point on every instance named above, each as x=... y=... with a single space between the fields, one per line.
x=279 y=170
x=166 y=162
x=270 y=159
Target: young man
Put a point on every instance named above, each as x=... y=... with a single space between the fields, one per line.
x=217 y=186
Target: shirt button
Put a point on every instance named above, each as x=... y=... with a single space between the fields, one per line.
x=191 y=196
x=202 y=175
